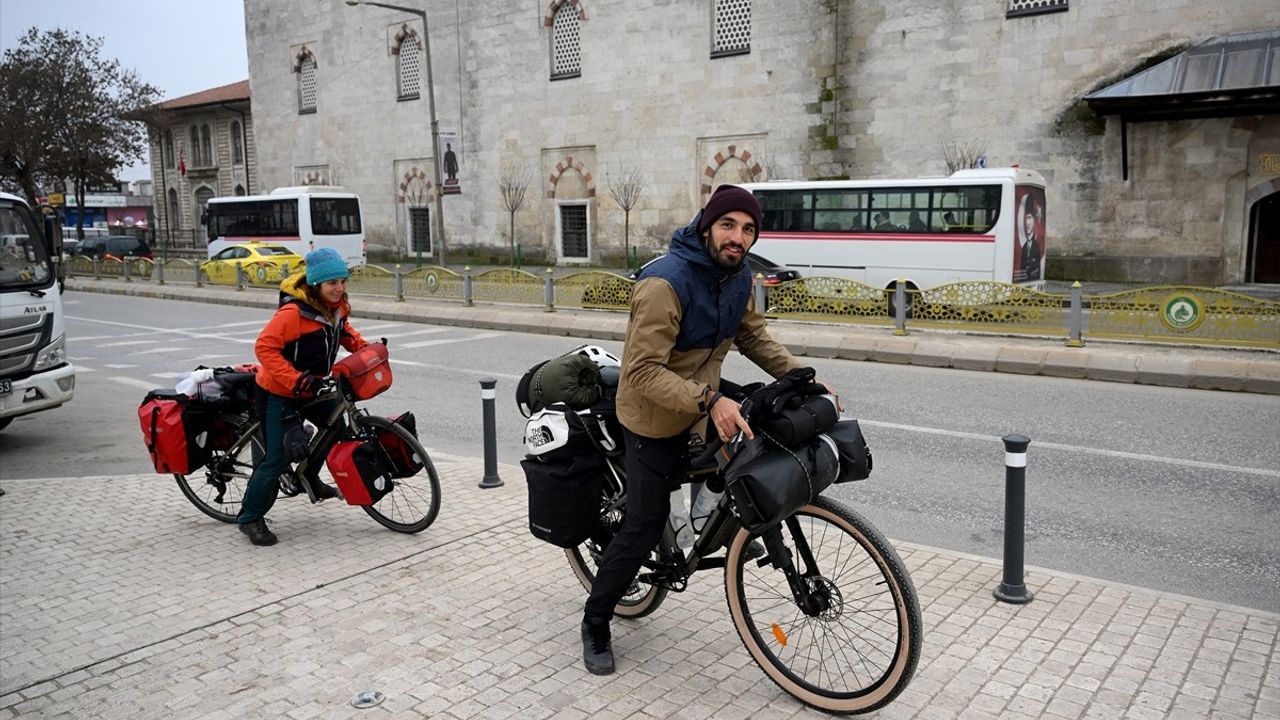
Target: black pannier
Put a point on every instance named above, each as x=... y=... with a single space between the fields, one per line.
x=855 y=456
x=564 y=497
x=769 y=482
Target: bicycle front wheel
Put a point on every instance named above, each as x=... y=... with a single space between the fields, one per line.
x=853 y=647
x=414 y=502
x=218 y=488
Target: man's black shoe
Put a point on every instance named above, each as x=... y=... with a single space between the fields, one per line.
x=755 y=550
x=258 y=532
x=323 y=490
x=597 y=652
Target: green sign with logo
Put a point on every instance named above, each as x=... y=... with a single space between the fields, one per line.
x=1182 y=312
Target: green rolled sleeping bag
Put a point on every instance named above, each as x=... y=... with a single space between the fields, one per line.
x=571 y=379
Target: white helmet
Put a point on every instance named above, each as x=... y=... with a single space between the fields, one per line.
x=599 y=355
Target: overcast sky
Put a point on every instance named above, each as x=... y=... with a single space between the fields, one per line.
x=179 y=46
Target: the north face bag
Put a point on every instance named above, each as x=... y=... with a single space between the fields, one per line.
x=367 y=370
x=175 y=431
x=360 y=471
x=404 y=461
x=564 y=497
x=769 y=482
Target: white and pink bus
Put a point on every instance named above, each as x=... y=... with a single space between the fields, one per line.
x=984 y=224
x=300 y=218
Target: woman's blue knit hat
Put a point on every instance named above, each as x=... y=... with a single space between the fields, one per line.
x=325 y=264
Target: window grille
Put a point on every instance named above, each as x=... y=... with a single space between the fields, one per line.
x=420 y=229
x=1035 y=7
x=573 y=231
x=732 y=28
x=206 y=147
x=237 y=144
x=169 y=159
x=307 y=85
x=566 y=55
x=409 y=69
x=195 y=146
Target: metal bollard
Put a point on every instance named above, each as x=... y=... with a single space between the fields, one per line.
x=900 y=307
x=488 y=392
x=97 y=269
x=549 y=292
x=239 y=277
x=1012 y=589
x=199 y=281
x=762 y=297
x=1077 y=317
x=399 y=284
x=159 y=273
x=124 y=269
x=468 y=297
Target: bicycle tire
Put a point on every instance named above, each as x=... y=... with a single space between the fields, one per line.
x=225 y=476
x=870 y=629
x=414 y=502
x=642 y=599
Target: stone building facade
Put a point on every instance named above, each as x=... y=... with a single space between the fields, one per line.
x=576 y=94
x=202 y=146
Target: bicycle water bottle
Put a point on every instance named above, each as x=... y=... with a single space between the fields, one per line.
x=680 y=520
x=703 y=503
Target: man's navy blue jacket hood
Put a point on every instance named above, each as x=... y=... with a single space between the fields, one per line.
x=712 y=298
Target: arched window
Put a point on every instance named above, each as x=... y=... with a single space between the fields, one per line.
x=239 y=190
x=306 y=70
x=202 y=197
x=206 y=146
x=237 y=143
x=566 y=55
x=174 y=221
x=195 y=146
x=167 y=148
x=408 y=67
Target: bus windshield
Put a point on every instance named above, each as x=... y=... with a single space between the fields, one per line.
x=24 y=264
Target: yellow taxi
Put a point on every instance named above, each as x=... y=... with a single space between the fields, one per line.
x=263 y=264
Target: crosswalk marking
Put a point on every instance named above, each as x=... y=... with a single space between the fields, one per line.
x=447 y=341
x=115 y=366
x=424 y=331
x=152 y=341
x=133 y=382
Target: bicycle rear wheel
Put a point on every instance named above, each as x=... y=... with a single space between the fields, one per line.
x=641 y=598
x=414 y=502
x=856 y=645
x=219 y=490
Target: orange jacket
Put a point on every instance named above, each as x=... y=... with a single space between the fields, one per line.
x=301 y=338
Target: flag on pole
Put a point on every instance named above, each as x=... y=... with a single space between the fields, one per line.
x=182 y=163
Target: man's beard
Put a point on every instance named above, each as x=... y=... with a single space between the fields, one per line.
x=719 y=259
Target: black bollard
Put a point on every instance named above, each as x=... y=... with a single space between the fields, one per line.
x=1012 y=589
x=488 y=392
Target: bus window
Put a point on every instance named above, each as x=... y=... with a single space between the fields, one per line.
x=335 y=216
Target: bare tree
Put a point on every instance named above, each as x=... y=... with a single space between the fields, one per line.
x=962 y=154
x=626 y=190
x=513 y=181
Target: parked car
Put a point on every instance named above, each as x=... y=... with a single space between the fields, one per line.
x=263 y=263
x=114 y=246
x=774 y=273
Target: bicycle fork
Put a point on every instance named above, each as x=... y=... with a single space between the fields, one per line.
x=808 y=593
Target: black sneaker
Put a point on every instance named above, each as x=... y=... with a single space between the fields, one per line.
x=258 y=532
x=755 y=550
x=597 y=652
x=323 y=490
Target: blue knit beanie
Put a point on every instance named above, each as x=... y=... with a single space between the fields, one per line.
x=325 y=264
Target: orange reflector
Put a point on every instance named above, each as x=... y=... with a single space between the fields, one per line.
x=780 y=634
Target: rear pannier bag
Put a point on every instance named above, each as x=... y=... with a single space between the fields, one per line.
x=175 y=431
x=564 y=497
x=404 y=462
x=367 y=370
x=360 y=470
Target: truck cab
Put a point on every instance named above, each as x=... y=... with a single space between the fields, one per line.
x=34 y=372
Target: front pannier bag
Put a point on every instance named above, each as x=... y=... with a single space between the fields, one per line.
x=564 y=497
x=367 y=370
x=359 y=468
x=769 y=482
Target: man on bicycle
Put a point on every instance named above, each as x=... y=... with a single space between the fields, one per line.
x=687 y=309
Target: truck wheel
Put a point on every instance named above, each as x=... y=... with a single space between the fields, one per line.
x=4 y=423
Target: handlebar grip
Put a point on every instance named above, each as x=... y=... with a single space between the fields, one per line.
x=708 y=454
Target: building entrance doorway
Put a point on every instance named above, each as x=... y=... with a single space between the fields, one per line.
x=1263 y=262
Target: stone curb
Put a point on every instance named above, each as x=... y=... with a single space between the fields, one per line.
x=1241 y=370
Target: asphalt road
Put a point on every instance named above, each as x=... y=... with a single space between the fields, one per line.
x=1166 y=488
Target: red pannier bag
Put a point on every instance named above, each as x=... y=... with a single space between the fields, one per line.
x=174 y=431
x=404 y=461
x=360 y=471
x=367 y=370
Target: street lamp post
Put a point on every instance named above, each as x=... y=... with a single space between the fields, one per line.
x=435 y=128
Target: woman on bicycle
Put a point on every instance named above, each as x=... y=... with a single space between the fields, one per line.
x=295 y=351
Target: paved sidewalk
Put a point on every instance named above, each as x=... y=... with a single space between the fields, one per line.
x=1147 y=364
x=119 y=600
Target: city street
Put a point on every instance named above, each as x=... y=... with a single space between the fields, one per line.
x=1167 y=488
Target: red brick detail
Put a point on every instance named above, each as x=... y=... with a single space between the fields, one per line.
x=719 y=159
x=709 y=172
x=732 y=149
x=746 y=156
x=586 y=177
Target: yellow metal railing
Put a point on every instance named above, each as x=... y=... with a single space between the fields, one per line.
x=1184 y=314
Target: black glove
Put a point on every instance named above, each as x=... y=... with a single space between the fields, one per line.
x=306 y=386
x=384 y=341
x=295 y=440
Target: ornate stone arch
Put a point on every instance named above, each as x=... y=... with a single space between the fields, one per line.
x=304 y=53
x=549 y=20
x=724 y=157
x=416 y=188
x=406 y=34
x=568 y=163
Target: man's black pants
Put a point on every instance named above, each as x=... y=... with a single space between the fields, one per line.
x=655 y=467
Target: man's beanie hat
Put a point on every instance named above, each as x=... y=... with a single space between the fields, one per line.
x=325 y=264
x=728 y=198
